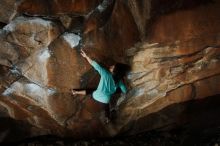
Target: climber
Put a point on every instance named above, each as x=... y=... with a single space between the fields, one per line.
x=110 y=80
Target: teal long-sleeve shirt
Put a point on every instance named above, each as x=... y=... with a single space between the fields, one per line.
x=106 y=86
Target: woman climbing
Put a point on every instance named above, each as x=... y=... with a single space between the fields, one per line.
x=110 y=80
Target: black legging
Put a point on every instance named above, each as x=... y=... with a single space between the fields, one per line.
x=102 y=106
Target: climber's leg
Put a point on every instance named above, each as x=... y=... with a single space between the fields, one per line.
x=107 y=113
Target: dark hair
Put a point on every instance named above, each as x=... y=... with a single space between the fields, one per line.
x=120 y=71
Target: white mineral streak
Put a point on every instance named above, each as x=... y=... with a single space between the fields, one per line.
x=8 y=91
x=38 y=91
x=44 y=55
x=36 y=68
x=29 y=90
x=32 y=32
x=40 y=21
x=104 y=5
x=22 y=20
x=101 y=8
x=10 y=27
x=72 y=39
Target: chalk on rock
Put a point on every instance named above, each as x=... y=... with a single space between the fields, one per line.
x=72 y=39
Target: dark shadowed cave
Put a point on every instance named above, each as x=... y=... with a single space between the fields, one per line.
x=172 y=48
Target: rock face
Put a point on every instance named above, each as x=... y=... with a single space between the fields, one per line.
x=8 y=10
x=173 y=49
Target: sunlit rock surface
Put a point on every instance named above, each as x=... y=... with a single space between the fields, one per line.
x=173 y=49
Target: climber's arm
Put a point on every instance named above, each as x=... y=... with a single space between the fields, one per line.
x=122 y=86
x=94 y=64
x=81 y=92
x=87 y=57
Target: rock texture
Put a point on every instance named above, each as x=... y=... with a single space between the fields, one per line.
x=8 y=10
x=173 y=49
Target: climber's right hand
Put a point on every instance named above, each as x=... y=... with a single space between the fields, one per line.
x=74 y=92
x=83 y=54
